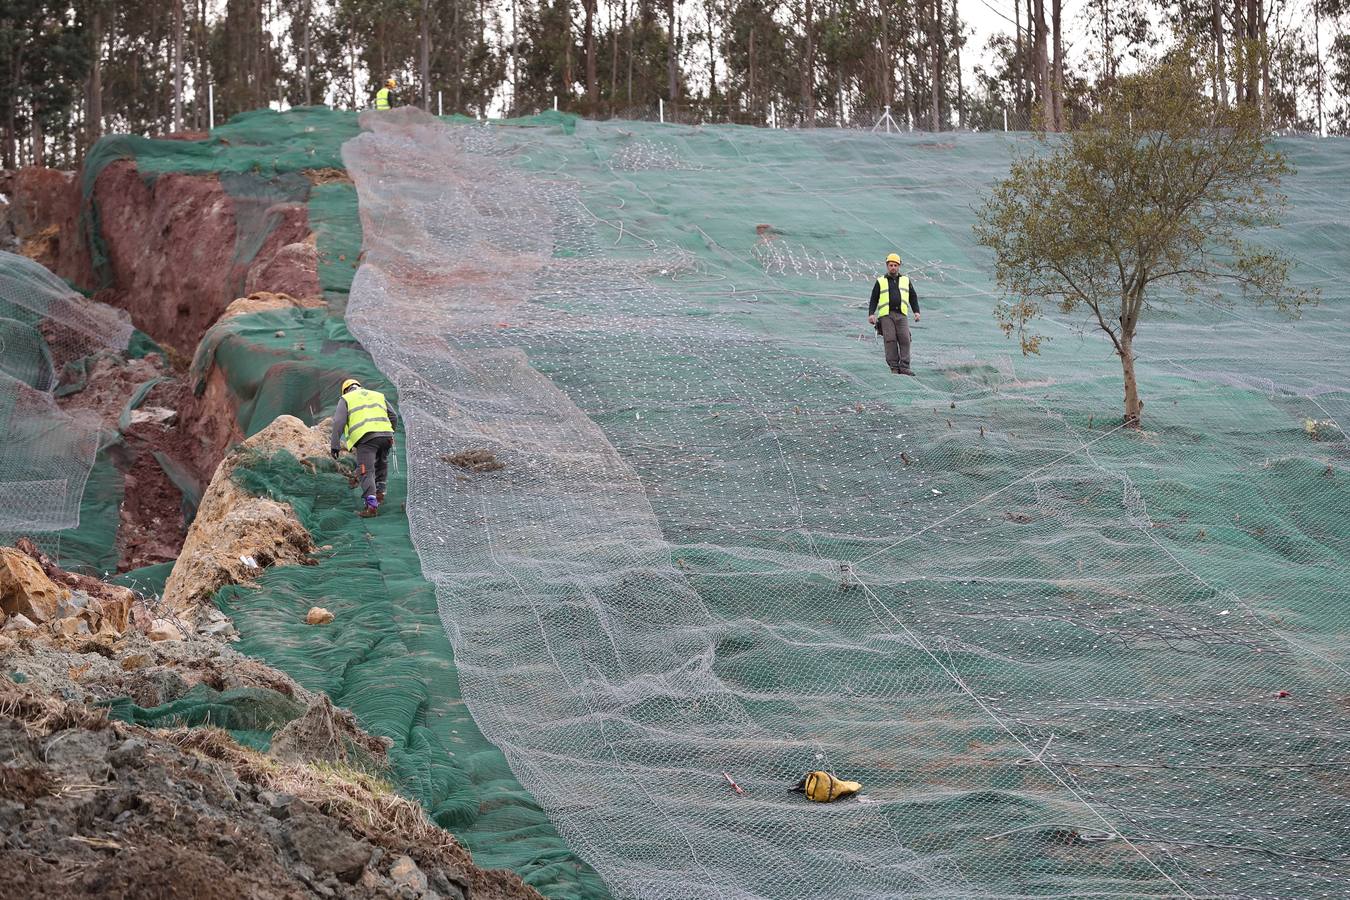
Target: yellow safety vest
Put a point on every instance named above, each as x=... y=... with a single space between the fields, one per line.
x=366 y=414
x=382 y=98
x=884 y=299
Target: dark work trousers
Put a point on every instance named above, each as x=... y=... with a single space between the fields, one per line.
x=895 y=331
x=372 y=462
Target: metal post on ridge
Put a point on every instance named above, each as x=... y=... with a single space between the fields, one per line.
x=886 y=120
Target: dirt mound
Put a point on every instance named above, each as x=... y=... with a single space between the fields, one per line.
x=44 y=206
x=90 y=807
x=292 y=269
x=263 y=301
x=236 y=536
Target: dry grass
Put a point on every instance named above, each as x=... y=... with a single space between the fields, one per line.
x=327 y=175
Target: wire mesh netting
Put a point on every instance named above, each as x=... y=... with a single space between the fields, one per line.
x=1062 y=657
x=44 y=325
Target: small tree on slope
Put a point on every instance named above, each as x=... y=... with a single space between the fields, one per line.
x=1155 y=192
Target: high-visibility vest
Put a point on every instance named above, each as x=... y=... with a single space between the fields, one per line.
x=366 y=414
x=382 y=98
x=884 y=299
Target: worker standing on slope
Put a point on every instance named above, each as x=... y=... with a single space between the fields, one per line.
x=364 y=423
x=893 y=296
x=382 y=96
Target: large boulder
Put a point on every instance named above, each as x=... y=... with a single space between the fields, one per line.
x=25 y=590
x=236 y=536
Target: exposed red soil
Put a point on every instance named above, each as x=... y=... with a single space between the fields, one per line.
x=152 y=526
x=171 y=249
x=45 y=205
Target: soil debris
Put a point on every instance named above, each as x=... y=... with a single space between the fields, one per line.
x=327 y=175
x=474 y=460
x=93 y=807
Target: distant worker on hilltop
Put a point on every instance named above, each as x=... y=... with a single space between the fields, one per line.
x=893 y=296
x=384 y=94
x=364 y=423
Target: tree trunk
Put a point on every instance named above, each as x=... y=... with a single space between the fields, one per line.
x=94 y=124
x=883 y=26
x=672 y=56
x=808 y=67
x=754 y=86
x=425 y=61
x=200 y=77
x=1220 y=79
x=567 y=48
x=592 y=84
x=1317 y=55
x=1018 y=81
x=1264 y=49
x=39 y=138
x=1057 y=81
x=935 y=64
x=1134 y=407
x=308 y=60
x=614 y=53
x=712 y=53
x=956 y=51
x=177 y=65
x=1043 y=69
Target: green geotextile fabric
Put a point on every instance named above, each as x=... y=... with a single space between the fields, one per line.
x=148 y=581
x=336 y=223
x=280 y=362
x=565 y=122
x=91 y=546
x=260 y=156
x=251 y=715
x=386 y=658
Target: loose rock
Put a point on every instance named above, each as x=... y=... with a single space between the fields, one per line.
x=317 y=615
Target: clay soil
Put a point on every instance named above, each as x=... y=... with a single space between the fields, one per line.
x=152 y=526
x=152 y=523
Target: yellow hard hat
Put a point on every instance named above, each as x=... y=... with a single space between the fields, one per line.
x=348 y=384
x=894 y=258
x=390 y=83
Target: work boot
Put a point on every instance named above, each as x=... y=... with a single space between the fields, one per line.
x=379 y=495
x=372 y=508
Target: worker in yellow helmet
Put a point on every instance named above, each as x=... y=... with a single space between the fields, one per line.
x=893 y=298
x=364 y=424
x=383 y=94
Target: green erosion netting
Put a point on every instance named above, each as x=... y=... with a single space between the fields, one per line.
x=48 y=454
x=251 y=715
x=386 y=657
x=1063 y=658
x=259 y=155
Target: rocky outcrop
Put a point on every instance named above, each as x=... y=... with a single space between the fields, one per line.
x=235 y=535
x=25 y=590
x=38 y=597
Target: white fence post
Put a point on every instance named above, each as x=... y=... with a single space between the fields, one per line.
x=661 y=108
x=1005 y=118
x=555 y=102
x=440 y=107
x=210 y=106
